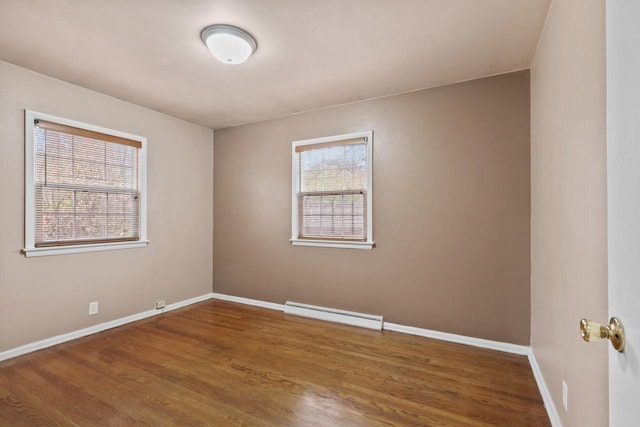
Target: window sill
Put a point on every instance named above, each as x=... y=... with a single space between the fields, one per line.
x=61 y=250
x=332 y=244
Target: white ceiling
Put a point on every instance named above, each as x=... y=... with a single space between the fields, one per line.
x=311 y=53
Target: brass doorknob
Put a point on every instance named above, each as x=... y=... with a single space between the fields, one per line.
x=592 y=331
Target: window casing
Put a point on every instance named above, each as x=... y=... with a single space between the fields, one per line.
x=332 y=191
x=85 y=187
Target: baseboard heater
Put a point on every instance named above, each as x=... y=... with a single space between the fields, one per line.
x=333 y=315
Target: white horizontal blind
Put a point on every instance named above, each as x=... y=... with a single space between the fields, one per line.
x=332 y=190
x=87 y=187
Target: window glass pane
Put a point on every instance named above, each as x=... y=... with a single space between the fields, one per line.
x=88 y=173
x=121 y=177
x=65 y=227
x=121 y=155
x=88 y=149
x=91 y=203
x=334 y=168
x=39 y=140
x=86 y=188
x=90 y=226
x=85 y=161
x=122 y=226
x=40 y=167
x=58 y=170
x=123 y=203
x=334 y=173
x=312 y=225
x=333 y=179
x=55 y=201
x=58 y=144
x=335 y=215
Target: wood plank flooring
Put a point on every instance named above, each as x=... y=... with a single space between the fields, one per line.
x=218 y=363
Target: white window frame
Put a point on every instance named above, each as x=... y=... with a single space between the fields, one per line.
x=369 y=243
x=30 y=250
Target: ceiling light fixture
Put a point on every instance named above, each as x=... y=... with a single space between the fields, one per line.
x=228 y=44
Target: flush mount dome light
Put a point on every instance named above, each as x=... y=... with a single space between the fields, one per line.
x=228 y=44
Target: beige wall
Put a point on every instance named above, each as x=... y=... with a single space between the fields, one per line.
x=568 y=219
x=47 y=296
x=451 y=211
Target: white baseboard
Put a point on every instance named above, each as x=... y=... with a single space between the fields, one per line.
x=248 y=301
x=59 y=339
x=460 y=339
x=544 y=391
x=186 y=302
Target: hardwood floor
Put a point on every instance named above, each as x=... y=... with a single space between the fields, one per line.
x=223 y=364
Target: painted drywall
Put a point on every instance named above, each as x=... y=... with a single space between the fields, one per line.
x=451 y=211
x=569 y=204
x=46 y=296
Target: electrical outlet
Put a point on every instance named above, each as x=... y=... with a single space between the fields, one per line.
x=160 y=304
x=565 y=393
x=93 y=308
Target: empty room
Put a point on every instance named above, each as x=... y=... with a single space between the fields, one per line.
x=319 y=213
